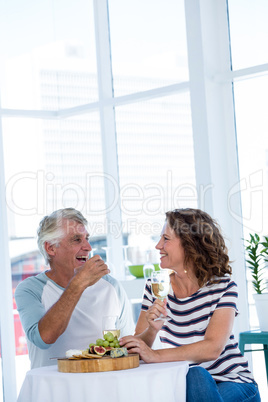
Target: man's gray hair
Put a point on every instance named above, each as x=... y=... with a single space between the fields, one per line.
x=50 y=228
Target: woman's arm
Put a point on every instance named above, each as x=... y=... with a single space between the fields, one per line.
x=143 y=331
x=215 y=339
x=148 y=332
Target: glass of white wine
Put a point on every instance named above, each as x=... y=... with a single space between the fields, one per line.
x=110 y=323
x=126 y=262
x=160 y=282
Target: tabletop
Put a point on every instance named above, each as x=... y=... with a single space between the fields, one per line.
x=156 y=382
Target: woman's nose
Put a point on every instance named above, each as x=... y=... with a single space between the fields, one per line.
x=158 y=245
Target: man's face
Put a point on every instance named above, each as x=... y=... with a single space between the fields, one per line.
x=74 y=248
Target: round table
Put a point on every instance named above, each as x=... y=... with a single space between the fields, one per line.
x=156 y=382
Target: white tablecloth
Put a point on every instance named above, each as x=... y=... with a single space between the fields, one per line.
x=156 y=382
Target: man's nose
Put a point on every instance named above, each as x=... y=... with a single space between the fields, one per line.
x=87 y=245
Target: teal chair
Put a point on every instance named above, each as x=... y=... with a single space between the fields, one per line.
x=255 y=337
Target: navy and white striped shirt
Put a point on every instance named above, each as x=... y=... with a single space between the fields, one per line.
x=190 y=317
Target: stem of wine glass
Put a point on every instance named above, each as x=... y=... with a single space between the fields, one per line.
x=162 y=317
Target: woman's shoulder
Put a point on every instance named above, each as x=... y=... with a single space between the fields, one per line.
x=224 y=282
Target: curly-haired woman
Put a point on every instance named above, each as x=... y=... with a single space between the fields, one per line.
x=201 y=307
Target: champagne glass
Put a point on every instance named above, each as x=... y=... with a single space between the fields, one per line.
x=160 y=283
x=148 y=268
x=110 y=323
x=126 y=262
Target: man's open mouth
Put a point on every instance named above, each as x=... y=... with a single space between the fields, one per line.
x=82 y=258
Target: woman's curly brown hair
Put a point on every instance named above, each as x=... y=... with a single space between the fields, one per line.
x=202 y=242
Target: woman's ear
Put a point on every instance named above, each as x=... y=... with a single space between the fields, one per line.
x=50 y=249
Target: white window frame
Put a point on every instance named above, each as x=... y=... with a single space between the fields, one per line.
x=213 y=121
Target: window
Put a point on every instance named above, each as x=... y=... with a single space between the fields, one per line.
x=148 y=44
x=146 y=111
x=156 y=163
x=249 y=34
x=48 y=65
x=251 y=101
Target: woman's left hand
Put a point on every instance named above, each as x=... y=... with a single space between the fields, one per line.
x=137 y=345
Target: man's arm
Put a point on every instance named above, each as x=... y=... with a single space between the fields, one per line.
x=44 y=328
x=55 y=321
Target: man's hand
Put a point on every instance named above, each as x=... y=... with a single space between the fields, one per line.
x=92 y=271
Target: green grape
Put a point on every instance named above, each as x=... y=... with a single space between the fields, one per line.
x=99 y=342
x=109 y=337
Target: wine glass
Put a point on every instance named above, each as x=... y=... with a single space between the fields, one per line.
x=148 y=267
x=160 y=283
x=110 y=323
x=108 y=259
x=126 y=262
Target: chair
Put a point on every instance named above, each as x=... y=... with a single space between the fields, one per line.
x=255 y=337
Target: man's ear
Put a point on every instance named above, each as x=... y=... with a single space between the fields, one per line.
x=50 y=249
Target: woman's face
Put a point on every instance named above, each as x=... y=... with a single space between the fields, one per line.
x=171 y=251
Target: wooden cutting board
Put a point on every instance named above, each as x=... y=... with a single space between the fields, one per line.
x=105 y=363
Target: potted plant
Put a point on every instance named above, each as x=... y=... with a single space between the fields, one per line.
x=257 y=262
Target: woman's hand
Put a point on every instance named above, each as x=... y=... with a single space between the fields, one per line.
x=137 y=345
x=147 y=328
x=155 y=310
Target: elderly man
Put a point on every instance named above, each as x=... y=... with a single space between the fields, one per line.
x=62 y=308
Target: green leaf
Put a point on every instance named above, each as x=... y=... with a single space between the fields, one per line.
x=257 y=261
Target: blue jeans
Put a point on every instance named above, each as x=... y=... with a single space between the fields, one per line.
x=201 y=387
